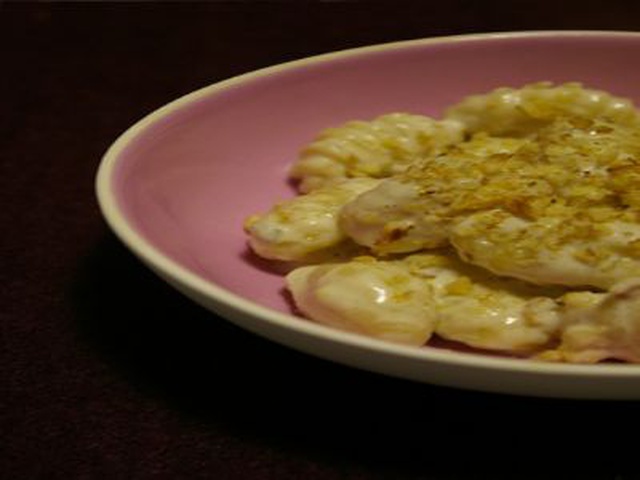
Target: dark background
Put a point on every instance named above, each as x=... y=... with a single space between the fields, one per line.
x=105 y=372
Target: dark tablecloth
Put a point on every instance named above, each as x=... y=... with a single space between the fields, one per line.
x=106 y=372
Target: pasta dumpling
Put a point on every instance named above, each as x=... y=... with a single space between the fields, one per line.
x=378 y=148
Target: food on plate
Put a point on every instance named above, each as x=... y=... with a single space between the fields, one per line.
x=518 y=112
x=552 y=250
x=409 y=299
x=416 y=208
x=512 y=225
x=376 y=149
x=559 y=207
x=305 y=226
x=382 y=299
x=600 y=326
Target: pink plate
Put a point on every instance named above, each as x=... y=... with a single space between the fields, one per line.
x=177 y=186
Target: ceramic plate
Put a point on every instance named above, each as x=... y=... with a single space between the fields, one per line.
x=177 y=186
